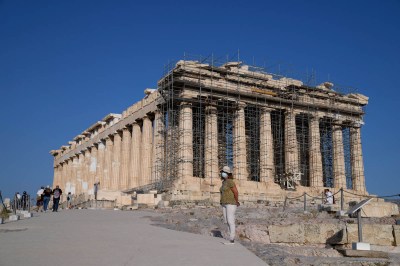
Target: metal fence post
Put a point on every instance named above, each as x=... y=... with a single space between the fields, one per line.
x=341 y=199
x=305 y=202
x=15 y=205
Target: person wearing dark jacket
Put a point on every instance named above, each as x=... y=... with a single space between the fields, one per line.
x=46 y=197
x=57 y=192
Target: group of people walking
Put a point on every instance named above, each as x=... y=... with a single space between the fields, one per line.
x=21 y=201
x=44 y=195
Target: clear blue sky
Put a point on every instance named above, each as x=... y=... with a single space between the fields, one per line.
x=66 y=64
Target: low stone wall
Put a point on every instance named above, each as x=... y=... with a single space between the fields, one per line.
x=332 y=234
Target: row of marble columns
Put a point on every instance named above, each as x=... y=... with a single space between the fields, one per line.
x=123 y=160
x=267 y=168
x=134 y=156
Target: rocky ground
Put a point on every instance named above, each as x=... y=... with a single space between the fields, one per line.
x=208 y=221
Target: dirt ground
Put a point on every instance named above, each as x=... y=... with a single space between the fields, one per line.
x=207 y=220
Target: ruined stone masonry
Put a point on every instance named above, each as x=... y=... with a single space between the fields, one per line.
x=276 y=133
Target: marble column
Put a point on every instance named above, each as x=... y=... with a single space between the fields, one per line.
x=63 y=176
x=124 y=167
x=185 y=167
x=56 y=178
x=291 y=145
x=80 y=172
x=338 y=157
x=134 y=159
x=100 y=163
x=70 y=183
x=158 y=146
x=357 y=164
x=267 y=170
x=211 y=144
x=316 y=174
x=85 y=172
x=92 y=169
x=147 y=148
x=77 y=173
x=108 y=155
x=116 y=161
x=239 y=144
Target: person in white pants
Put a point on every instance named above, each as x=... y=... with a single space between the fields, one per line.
x=229 y=201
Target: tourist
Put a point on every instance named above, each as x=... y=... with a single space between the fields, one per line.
x=57 y=192
x=229 y=201
x=39 y=199
x=46 y=197
x=17 y=199
x=25 y=201
x=69 y=200
x=96 y=188
x=329 y=196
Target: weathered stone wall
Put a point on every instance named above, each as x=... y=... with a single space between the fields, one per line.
x=333 y=234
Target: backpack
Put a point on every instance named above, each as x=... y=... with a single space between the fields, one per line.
x=56 y=194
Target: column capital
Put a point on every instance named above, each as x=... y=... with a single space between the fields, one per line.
x=211 y=109
x=186 y=104
x=100 y=144
x=314 y=116
x=157 y=111
x=337 y=123
x=241 y=105
x=356 y=124
x=290 y=113
x=266 y=109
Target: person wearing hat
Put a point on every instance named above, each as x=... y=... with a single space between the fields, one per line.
x=39 y=199
x=229 y=201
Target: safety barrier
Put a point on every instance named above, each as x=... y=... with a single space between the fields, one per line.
x=324 y=198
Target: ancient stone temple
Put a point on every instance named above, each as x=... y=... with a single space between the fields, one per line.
x=276 y=133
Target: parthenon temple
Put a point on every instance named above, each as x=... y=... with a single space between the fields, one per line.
x=278 y=134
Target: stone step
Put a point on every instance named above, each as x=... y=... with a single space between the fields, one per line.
x=364 y=253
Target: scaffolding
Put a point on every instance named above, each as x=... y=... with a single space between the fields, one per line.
x=212 y=113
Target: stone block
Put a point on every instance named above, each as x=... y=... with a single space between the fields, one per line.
x=364 y=253
x=256 y=233
x=396 y=234
x=380 y=209
x=13 y=217
x=147 y=199
x=376 y=234
x=325 y=234
x=293 y=233
x=157 y=199
x=124 y=200
x=360 y=246
x=27 y=214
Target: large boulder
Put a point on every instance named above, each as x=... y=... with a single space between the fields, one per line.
x=376 y=234
x=380 y=209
